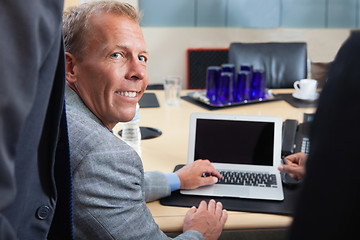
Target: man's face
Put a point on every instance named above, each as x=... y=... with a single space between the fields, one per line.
x=112 y=76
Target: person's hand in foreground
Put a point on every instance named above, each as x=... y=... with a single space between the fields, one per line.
x=208 y=219
x=295 y=165
x=191 y=175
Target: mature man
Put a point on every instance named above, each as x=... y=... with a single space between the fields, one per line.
x=106 y=73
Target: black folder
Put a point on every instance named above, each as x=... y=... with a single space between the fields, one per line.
x=149 y=100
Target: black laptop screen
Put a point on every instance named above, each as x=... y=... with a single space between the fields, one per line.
x=239 y=142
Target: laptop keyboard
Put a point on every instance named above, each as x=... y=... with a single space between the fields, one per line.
x=248 y=178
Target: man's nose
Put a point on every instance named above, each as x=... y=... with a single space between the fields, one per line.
x=136 y=70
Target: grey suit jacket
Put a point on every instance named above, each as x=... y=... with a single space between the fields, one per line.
x=109 y=187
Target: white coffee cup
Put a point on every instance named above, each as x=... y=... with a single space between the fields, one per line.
x=306 y=88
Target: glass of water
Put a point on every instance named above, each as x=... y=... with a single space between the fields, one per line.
x=172 y=86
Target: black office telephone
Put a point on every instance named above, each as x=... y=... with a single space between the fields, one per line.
x=296 y=136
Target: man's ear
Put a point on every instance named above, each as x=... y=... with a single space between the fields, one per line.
x=70 y=62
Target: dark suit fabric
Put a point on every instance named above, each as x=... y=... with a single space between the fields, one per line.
x=31 y=103
x=329 y=203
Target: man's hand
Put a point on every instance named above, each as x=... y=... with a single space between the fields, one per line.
x=191 y=175
x=208 y=219
x=294 y=165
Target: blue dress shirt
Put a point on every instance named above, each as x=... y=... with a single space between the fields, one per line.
x=173 y=180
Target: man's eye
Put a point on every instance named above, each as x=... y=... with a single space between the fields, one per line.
x=116 y=55
x=142 y=58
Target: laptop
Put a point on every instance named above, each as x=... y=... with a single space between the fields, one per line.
x=246 y=150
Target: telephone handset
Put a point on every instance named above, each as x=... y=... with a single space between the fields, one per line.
x=290 y=128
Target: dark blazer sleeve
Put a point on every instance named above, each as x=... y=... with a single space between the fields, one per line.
x=329 y=203
x=29 y=54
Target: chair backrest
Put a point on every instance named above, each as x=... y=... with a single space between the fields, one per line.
x=284 y=63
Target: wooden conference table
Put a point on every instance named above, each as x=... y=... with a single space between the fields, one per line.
x=170 y=149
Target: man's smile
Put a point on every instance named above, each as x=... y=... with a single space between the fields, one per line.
x=131 y=94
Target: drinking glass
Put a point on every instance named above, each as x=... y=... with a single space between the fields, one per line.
x=172 y=87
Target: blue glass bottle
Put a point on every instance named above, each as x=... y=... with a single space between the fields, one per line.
x=213 y=83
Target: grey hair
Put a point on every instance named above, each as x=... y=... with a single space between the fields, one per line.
x=76 y=29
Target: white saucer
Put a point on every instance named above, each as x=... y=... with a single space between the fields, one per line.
x=312 y=98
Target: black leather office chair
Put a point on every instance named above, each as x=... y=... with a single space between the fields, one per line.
x=284 y=63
